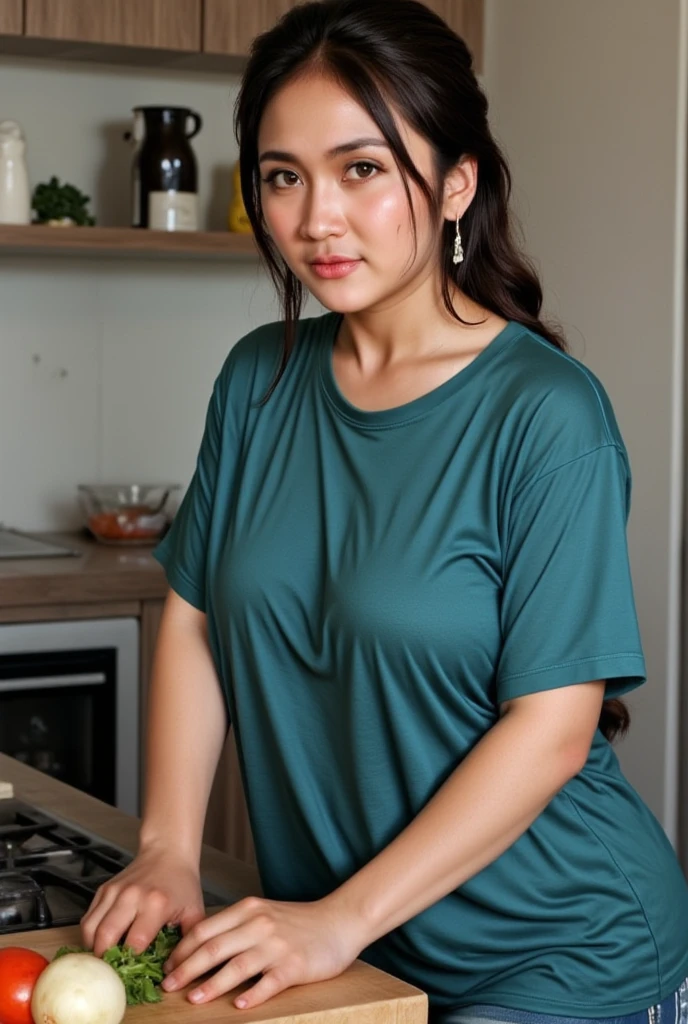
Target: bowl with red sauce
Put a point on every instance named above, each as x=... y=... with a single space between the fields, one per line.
x=127 y=513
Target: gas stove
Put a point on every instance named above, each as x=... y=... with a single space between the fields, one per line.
x=50 y=870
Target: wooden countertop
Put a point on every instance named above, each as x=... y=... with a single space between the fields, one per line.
x=362 y=995
x=101 y=573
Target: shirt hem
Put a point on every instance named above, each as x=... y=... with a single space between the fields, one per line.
x=180 y=583
x=562 y=1008
x=624 y=670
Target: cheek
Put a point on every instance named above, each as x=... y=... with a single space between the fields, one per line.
x=387 y=219
x=387 y=212
x=279 y=218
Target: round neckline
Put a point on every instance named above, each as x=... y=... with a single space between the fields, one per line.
x=417 y=407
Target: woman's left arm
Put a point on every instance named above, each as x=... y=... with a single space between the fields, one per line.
x=540 y=741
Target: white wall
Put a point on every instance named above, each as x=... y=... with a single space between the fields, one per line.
x=141 y=342
x=588 y=100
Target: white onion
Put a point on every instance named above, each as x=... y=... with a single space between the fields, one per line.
x=78 y=988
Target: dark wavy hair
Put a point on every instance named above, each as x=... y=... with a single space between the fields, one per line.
x=405 y=59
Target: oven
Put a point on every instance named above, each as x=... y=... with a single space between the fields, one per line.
x=69 y=703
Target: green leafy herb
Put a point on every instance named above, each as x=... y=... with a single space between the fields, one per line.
x=53 y=201
x=140 y=972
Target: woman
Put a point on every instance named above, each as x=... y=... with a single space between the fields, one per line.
x=403 y=557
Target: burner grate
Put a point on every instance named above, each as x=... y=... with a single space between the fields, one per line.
x=49 y=872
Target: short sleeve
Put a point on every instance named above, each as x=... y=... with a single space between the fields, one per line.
x=183 y=550
x=567 y=612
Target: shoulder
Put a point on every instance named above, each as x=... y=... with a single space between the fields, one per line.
x=254 y=359
x=254 y=353
x=554 y=408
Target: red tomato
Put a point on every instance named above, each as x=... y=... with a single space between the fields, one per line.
x=19 y=970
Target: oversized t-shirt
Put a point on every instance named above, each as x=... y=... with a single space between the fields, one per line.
x=376 y=584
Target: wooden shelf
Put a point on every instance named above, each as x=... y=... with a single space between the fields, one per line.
x=39 y=239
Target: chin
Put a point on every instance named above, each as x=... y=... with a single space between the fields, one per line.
x=342 y=303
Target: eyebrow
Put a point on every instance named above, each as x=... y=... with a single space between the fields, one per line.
x=345 y=147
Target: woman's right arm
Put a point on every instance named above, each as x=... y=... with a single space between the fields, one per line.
x=186 y=729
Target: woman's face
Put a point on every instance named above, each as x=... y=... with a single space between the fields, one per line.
x=330 y=188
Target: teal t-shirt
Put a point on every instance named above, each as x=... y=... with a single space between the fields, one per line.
x=375 y=584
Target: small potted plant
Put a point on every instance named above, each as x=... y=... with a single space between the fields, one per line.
x=61 y=205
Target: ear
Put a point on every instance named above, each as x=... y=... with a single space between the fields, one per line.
x=459 y=187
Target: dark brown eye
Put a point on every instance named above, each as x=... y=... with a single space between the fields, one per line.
x=364 y=170
x=291 y=177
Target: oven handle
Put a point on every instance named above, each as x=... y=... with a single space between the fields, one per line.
x=51 y=682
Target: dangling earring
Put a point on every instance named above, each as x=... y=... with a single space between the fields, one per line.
x=458 y=247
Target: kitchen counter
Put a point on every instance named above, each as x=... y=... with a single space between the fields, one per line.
x=100 y=572
x=361 y=995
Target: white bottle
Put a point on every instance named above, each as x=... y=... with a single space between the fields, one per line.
x=15 y=192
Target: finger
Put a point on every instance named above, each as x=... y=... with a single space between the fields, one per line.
x=205 y=930
x=269 y=985
x=212 y=953
x=239 y=969
x=116 y=922
x=190 y=917
x=95 y=914
x=150 y=918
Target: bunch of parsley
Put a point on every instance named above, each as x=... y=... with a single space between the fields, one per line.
x=141 y=973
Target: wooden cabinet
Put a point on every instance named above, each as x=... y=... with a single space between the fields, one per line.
x=11 y=17
x=163 y=24
x=212 y=35
x=466 y=17
x=230 y=25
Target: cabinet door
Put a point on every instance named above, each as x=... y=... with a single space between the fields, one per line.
x=167 y=24
x=11 y=17
x=467 y=18
x=230 y=25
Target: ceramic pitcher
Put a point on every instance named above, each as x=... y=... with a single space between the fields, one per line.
x=15 y=192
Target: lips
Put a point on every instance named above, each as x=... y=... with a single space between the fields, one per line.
x=335 y=267
x=326 y=260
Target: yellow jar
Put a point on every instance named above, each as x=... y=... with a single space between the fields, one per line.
x=238 y=218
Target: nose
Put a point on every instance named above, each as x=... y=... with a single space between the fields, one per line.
x=322 y=214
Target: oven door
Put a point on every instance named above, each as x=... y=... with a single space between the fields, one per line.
x=69 y=704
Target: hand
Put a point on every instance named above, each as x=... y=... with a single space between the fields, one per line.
x=157 y=888
x=288 y=943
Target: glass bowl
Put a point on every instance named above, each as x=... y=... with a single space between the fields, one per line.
x=126 y=513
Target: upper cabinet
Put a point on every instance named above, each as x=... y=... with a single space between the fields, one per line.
x=212 y=35
x=159 y=24
x=230 y=25
x=11 y=17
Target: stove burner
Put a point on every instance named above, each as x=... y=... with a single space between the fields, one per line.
x=49 y=872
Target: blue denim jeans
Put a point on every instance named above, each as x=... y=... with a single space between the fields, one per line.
x=673 y=1010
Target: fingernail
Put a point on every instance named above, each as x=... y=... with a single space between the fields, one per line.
x=169 y=984
x=240 y=1004
x=196 y=996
